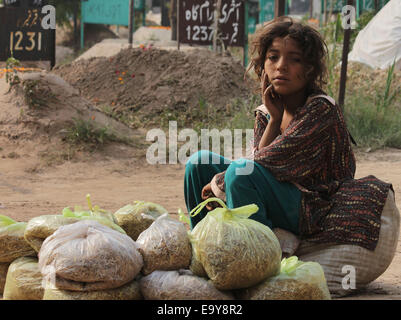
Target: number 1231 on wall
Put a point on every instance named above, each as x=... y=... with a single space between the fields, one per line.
x=32 y=40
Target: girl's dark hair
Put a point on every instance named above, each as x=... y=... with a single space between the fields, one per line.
x=309 y=40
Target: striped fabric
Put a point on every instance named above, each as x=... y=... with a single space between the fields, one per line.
x=368 y=265
x=315 y=154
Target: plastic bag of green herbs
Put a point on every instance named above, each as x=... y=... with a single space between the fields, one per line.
x=12 y=242
x=41 y=227
x=94 y=213
x=234 y=251
x=297 y=281
x=180 y=284
x=137 y=217
x=24 y=280
x=164 y=245
x=89 y=256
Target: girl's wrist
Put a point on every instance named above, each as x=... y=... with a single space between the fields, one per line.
x=274 y=122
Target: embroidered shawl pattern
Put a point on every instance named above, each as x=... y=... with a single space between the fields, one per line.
x=315 y=154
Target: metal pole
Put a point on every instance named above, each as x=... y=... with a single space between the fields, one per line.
x=75 y=17
x=130 y=27
x=358 y=8
x=53 y=57
x=178 y=24
x=82 y=25
x=246 y=33
x=344 y=62
x=143 y=13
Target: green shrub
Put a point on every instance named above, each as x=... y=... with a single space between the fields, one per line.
x=87 y=133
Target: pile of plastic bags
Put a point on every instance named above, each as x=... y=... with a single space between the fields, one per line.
x=141 y=252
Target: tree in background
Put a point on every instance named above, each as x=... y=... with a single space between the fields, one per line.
x=67 y=11
x=173 y=19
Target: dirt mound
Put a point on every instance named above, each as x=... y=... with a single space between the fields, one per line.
x=149 y=81
x=37 y=115
x=48 y=103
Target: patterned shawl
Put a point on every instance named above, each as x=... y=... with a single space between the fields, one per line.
x=315 y=154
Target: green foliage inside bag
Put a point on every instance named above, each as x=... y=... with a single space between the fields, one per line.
x=94 y=213
x=297 y=280
x=24 y=280
x=234 y=251
x=137 y=217
x=40 y=227
x=12 y=242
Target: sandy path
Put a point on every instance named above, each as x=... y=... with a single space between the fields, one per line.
x=112 y=184
x=28 y=190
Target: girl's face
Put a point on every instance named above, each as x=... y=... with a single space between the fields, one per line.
x=285 y=67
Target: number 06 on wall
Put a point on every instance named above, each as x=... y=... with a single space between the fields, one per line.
x=33 y=39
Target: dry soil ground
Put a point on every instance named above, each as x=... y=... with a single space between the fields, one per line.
x=29 y=188
x=114 y=183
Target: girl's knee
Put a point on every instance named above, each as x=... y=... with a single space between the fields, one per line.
x=195 y=162
x=239 y=171
x=196 y=158
x=205 y=157
x=240 y=168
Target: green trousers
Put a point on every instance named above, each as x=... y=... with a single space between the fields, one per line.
x=278 y=202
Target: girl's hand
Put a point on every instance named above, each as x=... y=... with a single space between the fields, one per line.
x=208 y=193
x=271 y=99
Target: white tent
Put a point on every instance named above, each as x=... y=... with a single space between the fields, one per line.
x=379 y=43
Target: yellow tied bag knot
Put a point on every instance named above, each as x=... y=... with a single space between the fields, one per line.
x=95 y=213
x=233 y=250
x=244 y=211
x=289 y=265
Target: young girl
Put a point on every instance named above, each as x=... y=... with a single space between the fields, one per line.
x=303 y=165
